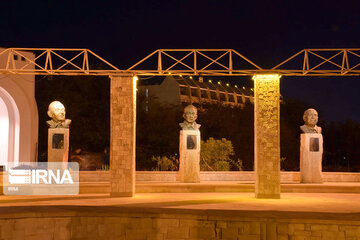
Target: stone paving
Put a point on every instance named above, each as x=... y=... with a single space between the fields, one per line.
x=181 y=216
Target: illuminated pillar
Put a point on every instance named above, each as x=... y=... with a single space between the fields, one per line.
x=122 y=136
x=267 y=135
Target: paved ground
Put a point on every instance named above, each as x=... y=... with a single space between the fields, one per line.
x=300 y=205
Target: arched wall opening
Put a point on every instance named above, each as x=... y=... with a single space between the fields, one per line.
x=9 y=129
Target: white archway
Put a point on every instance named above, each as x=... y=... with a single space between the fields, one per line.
x=9 y=129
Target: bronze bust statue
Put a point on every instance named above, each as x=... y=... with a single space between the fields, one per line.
x=310 y=118
x=56 y=112
x=190 y=115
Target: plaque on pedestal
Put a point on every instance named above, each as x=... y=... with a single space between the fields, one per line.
x=311 y=150
x=58 y=144
x=189 y=156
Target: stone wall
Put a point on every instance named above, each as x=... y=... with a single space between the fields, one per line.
x=174 y=226
x=164 y=176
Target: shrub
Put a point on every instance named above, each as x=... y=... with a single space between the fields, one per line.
x=166 y=163
x=216 y=156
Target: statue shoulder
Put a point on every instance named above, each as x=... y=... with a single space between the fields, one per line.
x=50 y=124
x=318 y=129
x=303 y=128
x=67 y=122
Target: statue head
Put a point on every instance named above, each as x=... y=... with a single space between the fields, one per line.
x=310 y=117
x=190 y=114
x=56 y=111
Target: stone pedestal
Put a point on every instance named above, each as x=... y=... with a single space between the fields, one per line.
x=189 y=156
x=58 y=144
x=122 y=136
x=267 y=135
x=311 y=150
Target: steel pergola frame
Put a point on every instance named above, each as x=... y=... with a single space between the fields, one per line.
x=197 y=62
x=322 y=62
x=188 y=62
x=44 y=62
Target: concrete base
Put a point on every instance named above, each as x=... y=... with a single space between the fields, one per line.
x=311 y=150
x=189 y=150
x=58 y=144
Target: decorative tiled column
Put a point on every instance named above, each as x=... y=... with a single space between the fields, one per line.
x=122 y=136
x=267 y=135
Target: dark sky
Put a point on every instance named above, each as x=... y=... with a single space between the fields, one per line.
x=267 y=32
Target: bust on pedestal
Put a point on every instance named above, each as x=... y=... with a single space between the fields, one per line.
x=58 y=133
x=311 y=149
x=189 y=148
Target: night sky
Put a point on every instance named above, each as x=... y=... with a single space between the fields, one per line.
x=267 y=32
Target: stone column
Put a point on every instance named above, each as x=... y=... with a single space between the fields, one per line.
x=267 y=135
x=122 y=135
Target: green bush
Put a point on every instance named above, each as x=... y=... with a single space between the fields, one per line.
x=165 y=163
x=216 y=156
x=222 y=166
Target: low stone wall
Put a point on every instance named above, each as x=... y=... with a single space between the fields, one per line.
x=94 y=176
x=243 y=176
x=133 y=224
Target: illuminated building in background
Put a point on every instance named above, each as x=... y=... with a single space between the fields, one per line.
x=185 y=90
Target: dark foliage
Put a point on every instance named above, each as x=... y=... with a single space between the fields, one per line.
x=157 y=131
x=87 y=103
x=341 y=146
x=291 y=112
x=234 y=124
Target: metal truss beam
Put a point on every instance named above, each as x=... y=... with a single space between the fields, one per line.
x=205 y=62
x=59 y=61
x=195 y=62
x=321 y=62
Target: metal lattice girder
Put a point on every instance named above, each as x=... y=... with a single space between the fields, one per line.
x=321 y=62
x=54 y=62
x=195 y=62
x=206 y=62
